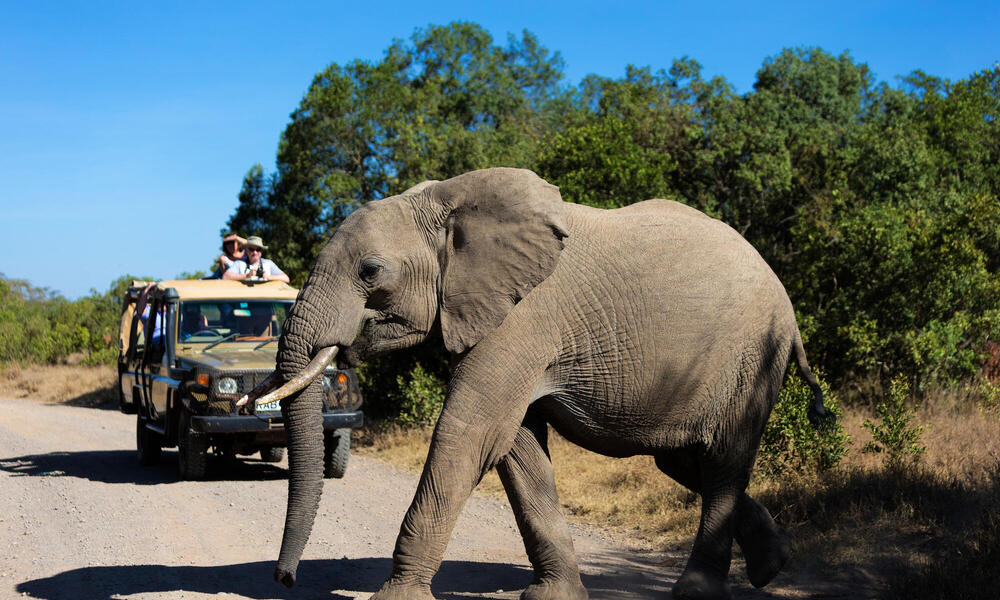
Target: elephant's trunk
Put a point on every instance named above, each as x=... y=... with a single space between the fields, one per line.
x=302 y=412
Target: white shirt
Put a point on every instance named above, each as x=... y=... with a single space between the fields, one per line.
x=241 y=267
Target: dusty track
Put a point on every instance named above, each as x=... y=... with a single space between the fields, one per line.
x=79 y=519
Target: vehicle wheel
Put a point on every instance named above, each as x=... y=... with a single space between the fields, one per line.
x=336 y=451
x=148 y=444
x=272 y=455
x=192 y=450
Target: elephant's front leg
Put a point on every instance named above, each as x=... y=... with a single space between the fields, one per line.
x=464 y=447
x=526 y=473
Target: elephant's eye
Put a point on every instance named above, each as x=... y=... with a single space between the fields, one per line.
x=369 y=271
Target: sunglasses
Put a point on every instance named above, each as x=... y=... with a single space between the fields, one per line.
x=255 y=249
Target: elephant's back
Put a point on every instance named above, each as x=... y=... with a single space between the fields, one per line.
x=663 y=241
x=677 y=266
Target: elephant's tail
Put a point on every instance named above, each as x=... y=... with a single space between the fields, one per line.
x=817 y=412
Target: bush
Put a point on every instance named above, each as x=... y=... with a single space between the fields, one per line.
x=37 y=326
x=895 y=435
x=791 y=442
x=406 y=388
x=422 y=397
x=989 y=397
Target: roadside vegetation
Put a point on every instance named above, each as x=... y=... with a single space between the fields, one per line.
x=877 y=203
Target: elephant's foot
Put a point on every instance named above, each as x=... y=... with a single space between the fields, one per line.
x=701 y=584
x=284 y=577
x=766 y=546
x=555 y=590
x=392 y=590
x=766 y=554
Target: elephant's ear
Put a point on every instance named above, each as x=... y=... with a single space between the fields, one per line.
x=504 y=233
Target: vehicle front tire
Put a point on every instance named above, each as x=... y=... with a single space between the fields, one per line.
x=272 y=455
x=192 y=450
x=148 y=444
x=336 y=451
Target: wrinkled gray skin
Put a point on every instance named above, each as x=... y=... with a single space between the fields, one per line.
x=651 y=329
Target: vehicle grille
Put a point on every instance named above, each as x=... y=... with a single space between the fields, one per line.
x=245 y=381
x=338 y=397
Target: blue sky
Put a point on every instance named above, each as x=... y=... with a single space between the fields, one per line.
x=126 y=127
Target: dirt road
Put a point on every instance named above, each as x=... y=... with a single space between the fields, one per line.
x=79 y=519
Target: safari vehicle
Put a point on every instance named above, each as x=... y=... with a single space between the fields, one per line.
x=190 y=349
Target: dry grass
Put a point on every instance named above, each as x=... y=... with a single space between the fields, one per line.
x=64 y=384
x=862 y=525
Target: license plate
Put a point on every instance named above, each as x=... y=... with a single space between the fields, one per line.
x=271 y=406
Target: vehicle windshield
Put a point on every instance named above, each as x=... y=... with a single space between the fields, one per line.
x=209 y=321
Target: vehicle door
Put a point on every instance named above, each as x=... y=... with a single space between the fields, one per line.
x=159 y=331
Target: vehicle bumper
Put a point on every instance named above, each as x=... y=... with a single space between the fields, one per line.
x=240 y=424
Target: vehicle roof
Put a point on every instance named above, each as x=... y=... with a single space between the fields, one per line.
x=222 y=289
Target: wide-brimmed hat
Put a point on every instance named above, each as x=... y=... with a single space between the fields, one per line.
x=232 y=237
x=254 y=241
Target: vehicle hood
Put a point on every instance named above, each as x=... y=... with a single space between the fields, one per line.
x=231 y=360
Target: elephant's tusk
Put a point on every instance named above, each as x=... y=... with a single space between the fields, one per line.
x=301 y=379
x=269 y=383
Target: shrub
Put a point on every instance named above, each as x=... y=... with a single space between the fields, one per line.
x=406 y=388
x=38 y=326
x=895 y=435
x=791 y=442
x=423 y=397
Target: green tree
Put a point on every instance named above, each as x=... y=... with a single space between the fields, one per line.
x=897 y=264
x=448 y=102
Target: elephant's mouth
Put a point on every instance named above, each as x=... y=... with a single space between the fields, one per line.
x=380 y=334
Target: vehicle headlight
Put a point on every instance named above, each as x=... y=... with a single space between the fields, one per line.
x=336 y=390
x=226 y=385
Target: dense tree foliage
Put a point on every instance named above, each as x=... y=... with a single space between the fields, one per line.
x=877 y=205
x=37 y=326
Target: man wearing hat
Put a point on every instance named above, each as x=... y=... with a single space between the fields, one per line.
x=254 y=265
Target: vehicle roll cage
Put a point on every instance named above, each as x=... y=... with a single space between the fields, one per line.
x=140 y=296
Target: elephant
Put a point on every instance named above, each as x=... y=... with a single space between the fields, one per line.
x=651 y=329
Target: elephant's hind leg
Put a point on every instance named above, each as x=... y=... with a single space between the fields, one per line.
x=526 y=473
x=707 y=571
x=766 y=545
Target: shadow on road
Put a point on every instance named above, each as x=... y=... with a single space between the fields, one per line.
x=623 y=574
x=120 y=466
x=105 y=398
x=253 y=580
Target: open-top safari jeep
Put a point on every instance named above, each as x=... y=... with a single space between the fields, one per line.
x=190 y=349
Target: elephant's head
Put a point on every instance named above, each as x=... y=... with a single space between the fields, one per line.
x=457 y=254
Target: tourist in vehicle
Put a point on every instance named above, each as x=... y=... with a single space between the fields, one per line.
x=156 y=335
x=232 y=251
x=254 y=266
x=192 y=320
